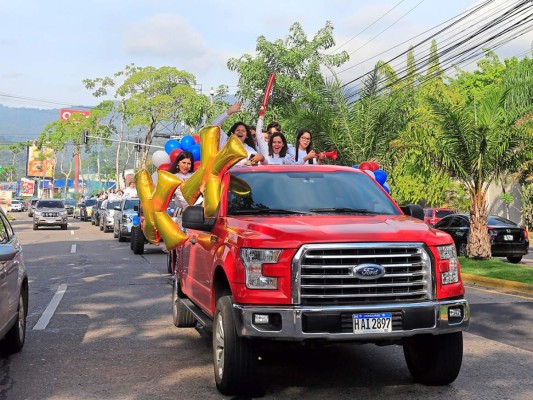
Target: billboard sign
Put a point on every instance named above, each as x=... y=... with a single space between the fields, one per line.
x=66 y=113
x=26 y=187
x=41 y=163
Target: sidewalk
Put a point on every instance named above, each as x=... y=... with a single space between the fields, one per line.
x=498 y=283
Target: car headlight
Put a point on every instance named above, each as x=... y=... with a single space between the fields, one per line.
x=449 y=264
x=253 y=260
x=37 y=213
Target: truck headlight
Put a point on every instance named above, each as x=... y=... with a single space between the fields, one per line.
x=253 y=260
x=449 y=264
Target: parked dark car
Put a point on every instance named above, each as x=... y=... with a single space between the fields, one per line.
x=507 y=238
x=13 y=290
x=123 y=218
x=434 y=215
x=95 y=217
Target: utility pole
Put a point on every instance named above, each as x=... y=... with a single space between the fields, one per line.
x=212 y=95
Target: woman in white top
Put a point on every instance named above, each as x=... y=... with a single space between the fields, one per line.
x=182 y=167
x=303 y=152
x=276 y=151
x=243 y=133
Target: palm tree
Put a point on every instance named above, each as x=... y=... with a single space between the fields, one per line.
x=476 y=148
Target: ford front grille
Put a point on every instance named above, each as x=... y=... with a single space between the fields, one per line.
x=355 y=273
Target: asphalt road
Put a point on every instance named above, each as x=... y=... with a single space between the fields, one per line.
x=111 y=337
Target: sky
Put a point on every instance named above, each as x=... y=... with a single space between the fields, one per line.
x=49 y=47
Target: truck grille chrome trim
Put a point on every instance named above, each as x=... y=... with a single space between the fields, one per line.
x=323 y=273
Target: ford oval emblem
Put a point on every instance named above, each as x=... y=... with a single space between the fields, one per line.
x=368 y=271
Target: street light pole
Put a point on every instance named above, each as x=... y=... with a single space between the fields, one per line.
x=212 y=94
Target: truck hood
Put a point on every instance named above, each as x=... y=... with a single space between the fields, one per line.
x=292 y=231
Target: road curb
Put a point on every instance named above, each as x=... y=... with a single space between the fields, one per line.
x=498 y=283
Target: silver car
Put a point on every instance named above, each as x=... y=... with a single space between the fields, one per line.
x=50 y=212
x=106 y=214
x=13 y=290
x=123 y=218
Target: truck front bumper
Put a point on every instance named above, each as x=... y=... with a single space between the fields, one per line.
x=336 y=322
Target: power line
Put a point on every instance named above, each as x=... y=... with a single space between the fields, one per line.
x=369 y=26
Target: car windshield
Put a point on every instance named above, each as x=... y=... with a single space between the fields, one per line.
x=50 y=204
x=90 y=202
x=129 y=204
x=112 y=204
x=70 y=202
x=15 y=202
x=306 y=192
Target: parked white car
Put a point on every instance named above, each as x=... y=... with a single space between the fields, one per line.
x=16 y=205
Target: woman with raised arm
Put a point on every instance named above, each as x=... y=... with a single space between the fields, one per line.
x=243 y=133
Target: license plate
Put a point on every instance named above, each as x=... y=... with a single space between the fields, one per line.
x=507 y=237
x=372 y=323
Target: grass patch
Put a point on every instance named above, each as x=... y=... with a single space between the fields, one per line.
x=497 y=268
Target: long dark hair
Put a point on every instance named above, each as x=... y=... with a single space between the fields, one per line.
x=309 y=146
x=174 y=168
x=285 y=147
x=249 y=139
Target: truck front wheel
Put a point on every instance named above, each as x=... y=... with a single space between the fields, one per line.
x=181 y=315
x=434 y=360
x=234 y=358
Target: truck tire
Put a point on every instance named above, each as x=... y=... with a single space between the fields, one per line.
x=234 y=357
x=16 y=336
x=514 y=259
x=434 y=360
x=138 y=241
x=35 y=226
x=132 y=233
x=181 y=315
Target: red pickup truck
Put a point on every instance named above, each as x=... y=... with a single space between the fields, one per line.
x=308 y=253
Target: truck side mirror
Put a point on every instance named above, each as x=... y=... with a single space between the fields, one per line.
x=193 y=218
x=413 y=210
x=135 y=208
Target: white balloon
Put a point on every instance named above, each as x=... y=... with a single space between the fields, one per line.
x=385 y=184
x=370 y=173
x=154 y=178
x=160 y=157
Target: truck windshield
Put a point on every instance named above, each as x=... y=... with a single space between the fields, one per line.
x=306 y=193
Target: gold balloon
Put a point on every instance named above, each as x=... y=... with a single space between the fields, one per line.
x=212 y=195
x=170 y=232
x=206 y=180
x=164 y=190
x=212 y=168
x=145 y=188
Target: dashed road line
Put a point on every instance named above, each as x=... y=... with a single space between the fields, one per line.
x=50 y=309
x=73 y=248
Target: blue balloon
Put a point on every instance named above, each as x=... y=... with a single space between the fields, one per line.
x=136 y=221
x=386 y=187
x=195 y=150
x=172 y=144
x=380 y=176
x=187 y=142
x=170 y=211
x=356 y=166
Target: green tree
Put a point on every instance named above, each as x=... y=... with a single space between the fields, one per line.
x=151 y=99
x=298 y=63
x=476 y=148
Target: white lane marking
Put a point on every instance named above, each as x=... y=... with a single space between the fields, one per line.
x=73 y=248
x=50 y=309
x=72 y=232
